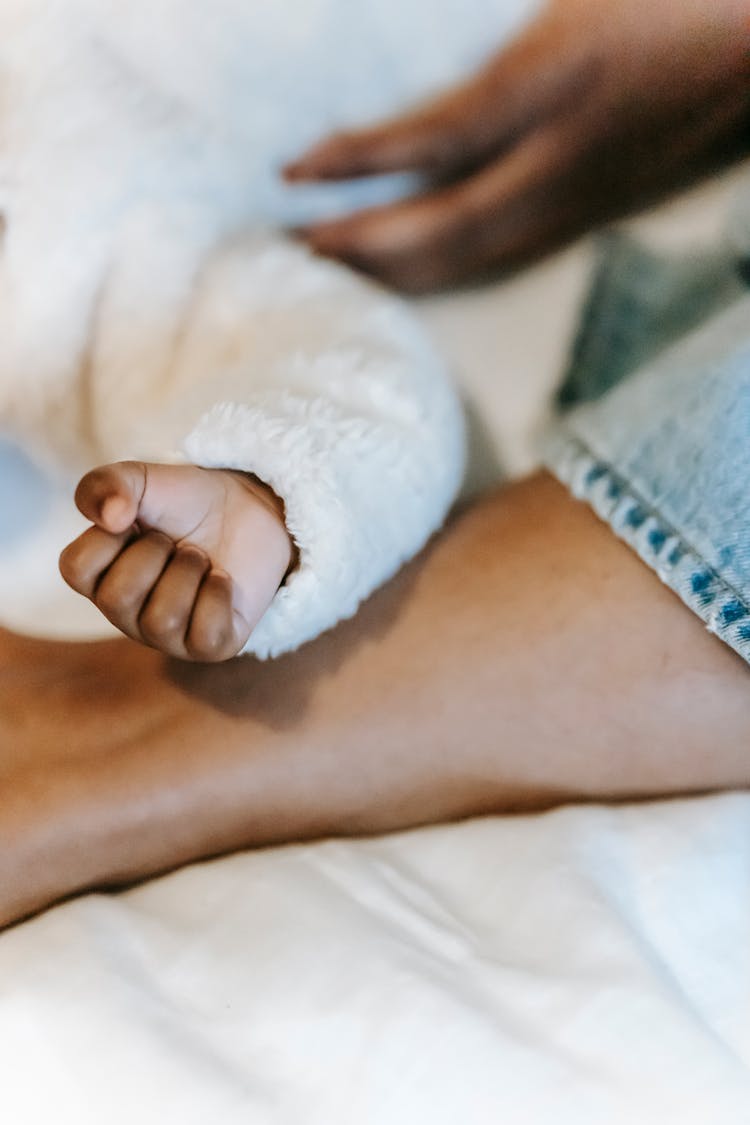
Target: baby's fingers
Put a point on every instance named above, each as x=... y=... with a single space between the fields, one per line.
x=124 y=589
x=217 y=630
x=111 y=495
x=83 y=561
x=165 y=620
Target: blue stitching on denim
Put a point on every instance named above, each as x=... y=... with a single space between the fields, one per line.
x=627 y=512
x=636 y=517
x=701 y=581
x=676 y=555
x=657 y=538
x=732 y=612
x=595 y=473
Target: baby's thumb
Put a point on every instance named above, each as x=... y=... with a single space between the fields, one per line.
x=110 y=496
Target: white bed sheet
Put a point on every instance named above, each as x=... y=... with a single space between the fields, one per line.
x=589 y=965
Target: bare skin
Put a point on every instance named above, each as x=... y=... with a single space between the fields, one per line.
x=599 y=107
x=562 y=670
x=183 y=559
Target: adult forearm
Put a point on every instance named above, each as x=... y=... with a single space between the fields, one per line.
x=526 y=659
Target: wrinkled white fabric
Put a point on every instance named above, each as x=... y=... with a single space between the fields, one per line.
x=586 y=966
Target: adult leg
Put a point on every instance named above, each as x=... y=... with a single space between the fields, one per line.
x=526 y=658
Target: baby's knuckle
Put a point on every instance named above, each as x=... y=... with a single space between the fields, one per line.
x=211 y=644
x=109 y=598
x=128 y=599
x=158 y=540
x=69 y=564
x=161 y=623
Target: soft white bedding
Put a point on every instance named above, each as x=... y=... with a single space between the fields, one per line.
x=590 y=965
x=586 y=966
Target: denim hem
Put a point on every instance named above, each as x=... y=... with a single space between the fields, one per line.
x=663 y=547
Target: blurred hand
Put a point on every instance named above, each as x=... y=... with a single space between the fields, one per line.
x=599 y=107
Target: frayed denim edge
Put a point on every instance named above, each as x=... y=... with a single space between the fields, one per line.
x=724 y=610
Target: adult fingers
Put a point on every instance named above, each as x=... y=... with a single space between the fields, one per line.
x=466 y=124
x=110 y=495
x=497 y=217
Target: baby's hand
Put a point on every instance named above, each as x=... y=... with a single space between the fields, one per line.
x=186 y=560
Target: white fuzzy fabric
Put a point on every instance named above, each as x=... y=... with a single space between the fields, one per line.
x=137 y=146
x=342 y=407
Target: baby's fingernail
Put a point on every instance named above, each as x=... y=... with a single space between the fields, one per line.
x=218 y=573
x=191 y=552
x=115 y=512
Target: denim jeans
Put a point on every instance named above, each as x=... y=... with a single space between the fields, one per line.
x=659 y=441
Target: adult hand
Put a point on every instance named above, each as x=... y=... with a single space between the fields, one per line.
x=599 y=107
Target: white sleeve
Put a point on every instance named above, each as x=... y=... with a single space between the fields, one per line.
x=333 y=397
x=245 y=353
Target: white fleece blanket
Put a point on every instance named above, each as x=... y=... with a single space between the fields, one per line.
x=585 y=966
